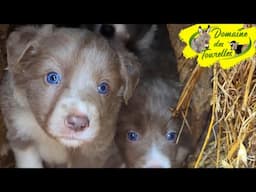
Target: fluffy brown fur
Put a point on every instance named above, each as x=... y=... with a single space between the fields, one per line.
x=35 y=111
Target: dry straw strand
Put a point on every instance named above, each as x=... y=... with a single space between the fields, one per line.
x=248 y=84
x=187 y=90
x=214 y=98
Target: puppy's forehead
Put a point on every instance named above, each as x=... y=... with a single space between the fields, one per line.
x=71 y=41
x=96 y=51
x=79 y=48
x=149 y=107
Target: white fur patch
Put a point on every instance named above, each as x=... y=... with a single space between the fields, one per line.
x=27 y=158
x=120 y=28
x=156 y=159
x=71 y=142
x=49 y=149
x=121 y=32
x=27 y=128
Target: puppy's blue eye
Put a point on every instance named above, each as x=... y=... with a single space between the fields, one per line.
x=53 y=78
x=103 y=88
x=132 y=136
x=171 y=136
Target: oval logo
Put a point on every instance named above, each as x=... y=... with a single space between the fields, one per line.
x=226 y=44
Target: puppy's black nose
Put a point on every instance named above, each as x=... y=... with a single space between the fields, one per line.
x=107 y=31
x=77 y=123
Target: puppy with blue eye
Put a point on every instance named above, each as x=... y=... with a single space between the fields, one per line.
x=61 y=95
x=147 y=134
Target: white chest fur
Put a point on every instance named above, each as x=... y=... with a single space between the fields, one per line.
x=45 y=147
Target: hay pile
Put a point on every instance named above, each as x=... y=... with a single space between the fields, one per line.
x=233 y=119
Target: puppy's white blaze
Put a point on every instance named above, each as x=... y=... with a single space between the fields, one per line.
x=27 y=158
x=156 y=159
x=93 y=55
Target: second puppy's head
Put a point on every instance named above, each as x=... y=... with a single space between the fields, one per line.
x=72 y=80
x=147 y=134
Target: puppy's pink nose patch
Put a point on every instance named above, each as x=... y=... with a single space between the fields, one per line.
x=77 y=123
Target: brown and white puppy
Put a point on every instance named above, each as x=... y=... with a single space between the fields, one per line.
x=63 y=91
x=147 y=134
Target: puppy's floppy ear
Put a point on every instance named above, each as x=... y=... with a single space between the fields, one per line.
x=23 y=42
x=130 y=71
